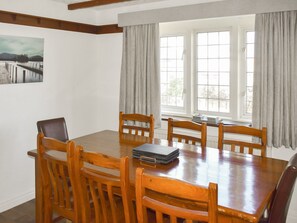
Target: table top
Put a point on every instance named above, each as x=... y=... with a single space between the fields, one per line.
x=245 y=182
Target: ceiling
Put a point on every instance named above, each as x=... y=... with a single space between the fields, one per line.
x=122 y=3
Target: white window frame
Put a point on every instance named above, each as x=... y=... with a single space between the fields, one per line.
x=188 y=29
x=175 y=110
x=232 y=79
x=243 y=71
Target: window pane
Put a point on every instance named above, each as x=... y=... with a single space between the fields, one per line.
x=172 y=41
x=202 y=38
x=224 y=92
x=172 y=70
x=250 y=37
x=248 y=98
x=202 y=104
x=249 y=79
x=213 y=92
x=213 y=51
x=202 y=65
x=171 y=53
x=224 y=51
x=213 y=78
x=250 y=65
x=213 y=75
x=202 y=51
x=250 y=50
x=180 y=41
x=202 y=78
x=172 y=101
x=163 y=53
x=224 y=64
x=164 y=100
x=224 y=106
x=202 y=91
x=213 y=65
x=224 y=78
x=213 y=38
x=163 y=65
x=163 y=77
x=164 y=89
x=213 y=105
x=224 y=37
x=163 y=42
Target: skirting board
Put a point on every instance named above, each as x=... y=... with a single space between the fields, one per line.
x=17 y=200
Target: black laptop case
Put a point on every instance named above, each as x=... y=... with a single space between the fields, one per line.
x=155 y=153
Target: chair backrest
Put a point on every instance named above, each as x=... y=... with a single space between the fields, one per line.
x=200 y=129
x=105 y=188
x=137 y=124
x=283 y=194
x=54 y=128
x=57 y=183
x=184 y=201
x=238 y=145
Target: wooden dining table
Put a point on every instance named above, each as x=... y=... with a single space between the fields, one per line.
x=246 y=183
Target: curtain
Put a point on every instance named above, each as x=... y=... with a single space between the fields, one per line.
x=275 y=77
x=140 y=76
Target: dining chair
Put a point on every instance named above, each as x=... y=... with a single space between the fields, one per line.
x=277 y=213
x=104 y=187
x=173 y=200
x=233 y=136
x=58 y=187
x=199 y=129
x=55 y=128
x=136 y=124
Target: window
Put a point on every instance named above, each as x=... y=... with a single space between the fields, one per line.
x=209 y=68
x=213 y=72
x=172 y=72
x=249 y=72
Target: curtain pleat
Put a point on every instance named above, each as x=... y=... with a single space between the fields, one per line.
x=275 y=77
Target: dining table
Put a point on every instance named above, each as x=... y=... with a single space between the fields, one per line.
x=246 y=183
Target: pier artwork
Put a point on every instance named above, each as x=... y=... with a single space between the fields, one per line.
x=21 y=59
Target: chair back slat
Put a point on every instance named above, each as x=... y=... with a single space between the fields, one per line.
x=239 y=144
x=57 y=182
x=188 y=125
x=104 y=183
x=136 y=124
x=174 y=199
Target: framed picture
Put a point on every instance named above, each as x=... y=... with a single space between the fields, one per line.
x=21 y=59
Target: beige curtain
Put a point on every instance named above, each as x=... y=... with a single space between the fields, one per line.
x=275 y=79
x=140 y=76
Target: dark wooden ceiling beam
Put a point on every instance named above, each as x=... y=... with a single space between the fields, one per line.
x=42 y=22
x=88 y=4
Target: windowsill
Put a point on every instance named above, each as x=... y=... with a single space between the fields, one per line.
x=225 y=121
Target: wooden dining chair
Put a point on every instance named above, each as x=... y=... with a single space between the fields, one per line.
x=104 y=188
x=277 y=213
x=137 y=124
x=58 y=186
x=199 y=129
x=180 y=201
x=240 y=145
x=54 y=128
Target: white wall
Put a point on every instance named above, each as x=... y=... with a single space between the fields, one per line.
x=81 y=83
